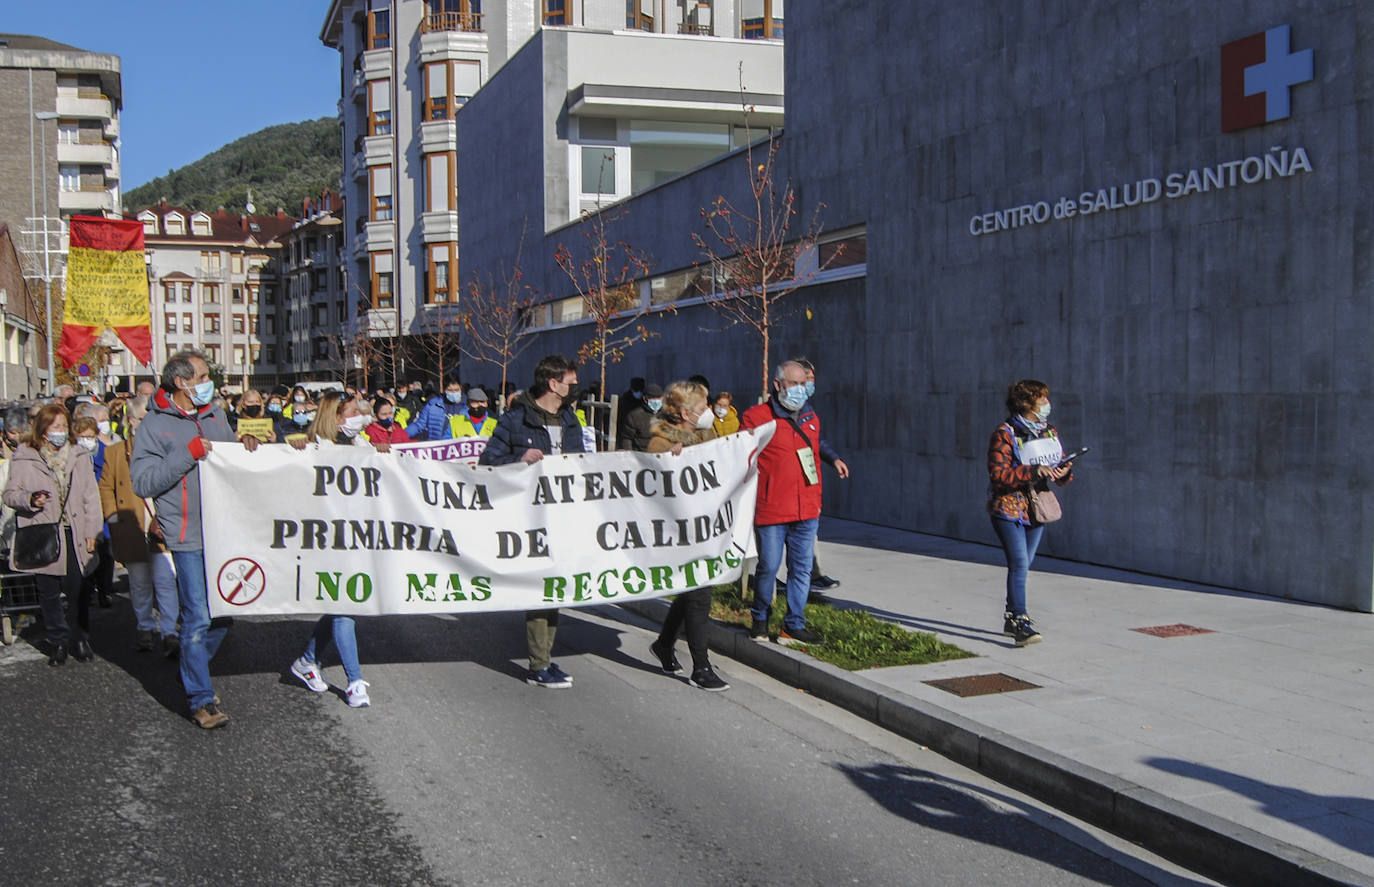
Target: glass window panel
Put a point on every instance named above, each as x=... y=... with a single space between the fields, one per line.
x=381 y=95
x=438 y=80
x=662 y=149
x=438 y=182
x=598 y=170
x=467 y=78
x=381 y=180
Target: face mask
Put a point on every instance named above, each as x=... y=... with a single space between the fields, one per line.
x=792 y=397
x=104 y=427
x=453 y=396
x=1043 y=413
x=705 y=420
x=57 y=438
x=654 y=405
x=253 y=411
x=274 y=408
x=201 y=394
x=353 y=424
x=722 y=411
x=302 y=418
x=637 y=395
x=86 y=443
x=386 y=423
x=810 y=390
x=478 y=413
x=299 y=398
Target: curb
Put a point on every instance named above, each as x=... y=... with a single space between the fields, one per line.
x=1193 y=838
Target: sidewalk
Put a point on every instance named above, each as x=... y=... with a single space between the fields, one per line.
x=1266 y=723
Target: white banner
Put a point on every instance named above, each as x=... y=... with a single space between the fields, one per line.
x=461 y=449
x=348 y=530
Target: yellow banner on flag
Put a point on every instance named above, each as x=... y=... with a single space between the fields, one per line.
x=106 y=288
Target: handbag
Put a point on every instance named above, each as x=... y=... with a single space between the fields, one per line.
x=1044 y=506
x=38 y=545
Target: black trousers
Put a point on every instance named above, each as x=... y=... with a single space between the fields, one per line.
x=50 y=591
x=692 y=609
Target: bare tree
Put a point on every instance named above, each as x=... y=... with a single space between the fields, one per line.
x=496 y=316
x=607 y=281
x=754 y=247
x=436 y=336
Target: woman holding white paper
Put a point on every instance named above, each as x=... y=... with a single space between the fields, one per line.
x=1024 y=452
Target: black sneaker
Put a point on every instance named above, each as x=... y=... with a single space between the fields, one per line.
x=666 y=658
x=793 y=637
x=823 y=583
x=707 y=679
x=1009 y=624
x=758 y=630
x=1025 y=632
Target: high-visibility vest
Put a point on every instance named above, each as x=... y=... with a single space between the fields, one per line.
x=461 y=426
x=402 y=416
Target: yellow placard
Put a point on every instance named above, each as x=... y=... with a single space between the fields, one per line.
x=106 y=288
x=259 y=428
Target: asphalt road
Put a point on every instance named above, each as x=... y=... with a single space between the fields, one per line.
x=462 y=774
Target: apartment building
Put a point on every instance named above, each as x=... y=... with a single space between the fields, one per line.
x=22 y=348
x=214 y=283
x=315 y=339
x=651 y=86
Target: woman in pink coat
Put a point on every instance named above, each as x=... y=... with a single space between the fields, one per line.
x=50 y=481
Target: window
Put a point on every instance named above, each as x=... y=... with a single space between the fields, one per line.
x=236 y=294
x=662 y=149
x=200 y=225
x=171 y=323
x=598 y=170
x=437 y=104
x=558 y=12
x=761 y=19
x=440 y=195
x=379 y=25
x=236 y=263
x=210 y=261
x=639 y=15
x=209 y=293
x=238 y=355
x=212 y=352
x=567 y=310
x=212 y=323
x=381 y=193
x=186 y=293
x=169 y=292
x=271 y=353
x=257 y=353
x=379 y=108
x=696 y=18
x=452 y=15
x=439 y=273
x=269 y=294
x=174 y=223
x=253 y=324
x=271 y=325
x=149 y=222
x=240 y=324
x=843 y=253
x=172 y=351
x=382 y=269
x=70 y=178
x=188 y=324
x=68 y=132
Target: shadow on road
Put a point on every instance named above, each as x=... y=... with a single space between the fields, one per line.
x=1350 y=822
x=950 y=805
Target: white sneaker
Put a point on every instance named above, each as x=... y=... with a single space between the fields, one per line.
x=357 y=694
x=309 y=672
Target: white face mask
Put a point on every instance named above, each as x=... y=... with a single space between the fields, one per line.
x=705 y=420
x=57 y=439
x=299 y=398
x=103 y=426
x=87 y=443
x=722 y=411
x=353 y=424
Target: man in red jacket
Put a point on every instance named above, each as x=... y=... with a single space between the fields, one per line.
x=789 y=502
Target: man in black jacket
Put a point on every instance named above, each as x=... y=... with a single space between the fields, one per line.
x=637 y=434
x=537 y=422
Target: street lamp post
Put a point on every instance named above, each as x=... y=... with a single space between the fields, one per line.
x=43 y=116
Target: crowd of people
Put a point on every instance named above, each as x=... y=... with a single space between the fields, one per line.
x=88 y=483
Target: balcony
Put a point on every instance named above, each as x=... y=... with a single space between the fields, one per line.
x=89 y=199
x=696 y=30
x=83 y=106
x=438 y=135
x=451 y=21
x=357 y=88
x=92 y=153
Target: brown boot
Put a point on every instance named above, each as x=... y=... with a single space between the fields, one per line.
x=208 y=716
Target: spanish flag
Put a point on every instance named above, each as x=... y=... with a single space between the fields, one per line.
x=107 y=286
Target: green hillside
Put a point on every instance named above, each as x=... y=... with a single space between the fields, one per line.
x=282 y=164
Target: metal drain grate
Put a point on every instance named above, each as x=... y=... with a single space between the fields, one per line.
x=1177 y=630
x=982 y=684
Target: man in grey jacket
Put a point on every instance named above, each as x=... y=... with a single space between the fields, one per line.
x=174 y=436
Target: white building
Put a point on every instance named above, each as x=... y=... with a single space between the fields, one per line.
x=646 y=90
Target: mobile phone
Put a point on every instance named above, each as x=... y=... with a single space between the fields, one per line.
x=1074 y=455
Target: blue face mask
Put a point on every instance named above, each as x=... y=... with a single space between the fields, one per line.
x=793 y=397
x=810 y=390
x=301 y=418
x=454 y=396
x=274 y=408
x=654 y=405
x=201 y=394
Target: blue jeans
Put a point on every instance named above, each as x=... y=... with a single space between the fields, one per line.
x=341 y=631
x=799 y=538
x=199 y=640
x=1019 y=543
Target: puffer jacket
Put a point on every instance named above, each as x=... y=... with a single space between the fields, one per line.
x=29 y=474
x=164 y=466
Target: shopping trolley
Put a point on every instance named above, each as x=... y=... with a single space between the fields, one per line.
x=18 y=594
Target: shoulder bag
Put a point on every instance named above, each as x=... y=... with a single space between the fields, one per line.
x=38 y=545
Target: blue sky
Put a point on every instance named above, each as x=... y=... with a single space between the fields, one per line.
x=197 y=74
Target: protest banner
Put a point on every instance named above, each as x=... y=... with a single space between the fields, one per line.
x=347 y=530
x=107 y=286
x=460 y=449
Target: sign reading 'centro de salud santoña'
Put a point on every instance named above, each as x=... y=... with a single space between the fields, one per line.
x=1257 y=73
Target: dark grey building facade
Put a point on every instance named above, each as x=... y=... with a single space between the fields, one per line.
x=1158 y=209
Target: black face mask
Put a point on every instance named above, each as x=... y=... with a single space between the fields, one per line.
x=253 y=411
x=478 y=412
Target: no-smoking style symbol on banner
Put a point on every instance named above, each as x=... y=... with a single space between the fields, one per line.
x=241 y=581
